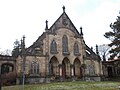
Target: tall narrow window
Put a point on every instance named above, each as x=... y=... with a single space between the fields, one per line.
x=91 y=69
x=34 y=68
x=53 y=47
x=76 y=49
x=65 y=45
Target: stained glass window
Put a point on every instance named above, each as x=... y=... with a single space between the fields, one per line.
x=76 y=49
x=65 y=45
x=34 y=68
x=53 y=47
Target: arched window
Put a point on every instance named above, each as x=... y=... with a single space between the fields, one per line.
x=76 y=49
x=65 y=45
x=6 y=68
x=53 y=47
x=34 y=67
x=90 y=69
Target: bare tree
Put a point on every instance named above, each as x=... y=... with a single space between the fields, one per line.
x=7 y=52
x=104 y=51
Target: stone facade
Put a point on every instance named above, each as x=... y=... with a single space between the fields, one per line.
x=60 y=53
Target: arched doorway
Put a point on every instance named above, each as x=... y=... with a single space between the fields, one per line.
x=110 y=71
x=8 y=74
x=53 y=65
x=65 y=68
x=77 y=68
x=6 y=68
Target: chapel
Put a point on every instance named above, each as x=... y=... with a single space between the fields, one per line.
x=59 y=54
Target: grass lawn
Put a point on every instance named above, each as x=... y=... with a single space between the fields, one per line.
x=68 y=86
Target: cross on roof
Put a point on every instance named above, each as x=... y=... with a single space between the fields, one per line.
x=63 y=8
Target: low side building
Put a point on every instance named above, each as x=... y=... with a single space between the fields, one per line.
x=7 y=70
x=111 y=69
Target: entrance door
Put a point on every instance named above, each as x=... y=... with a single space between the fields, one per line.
x=77 y=68
x=54 y=70
x=63 y=70
x=110 y=72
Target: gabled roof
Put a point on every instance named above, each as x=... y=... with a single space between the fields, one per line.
x=91 y=54
x=63 y=22
x=38 y=44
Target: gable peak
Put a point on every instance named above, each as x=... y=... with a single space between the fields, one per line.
x=63 y=22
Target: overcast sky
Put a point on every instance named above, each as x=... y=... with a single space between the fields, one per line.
x=27 y=17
